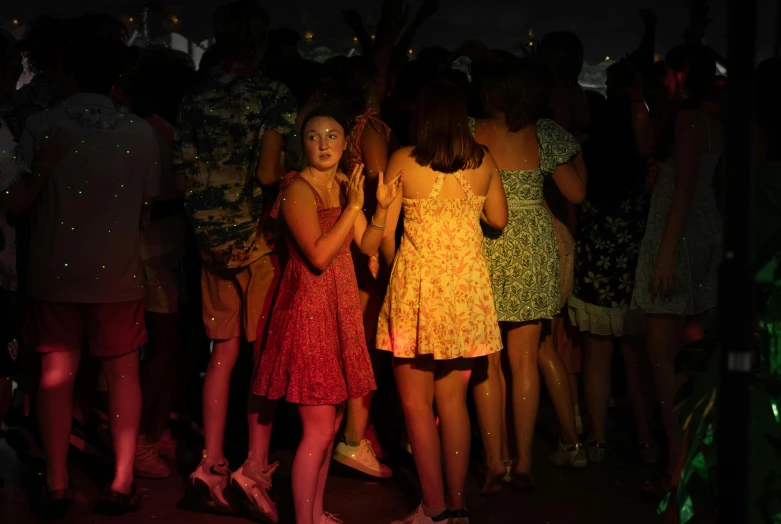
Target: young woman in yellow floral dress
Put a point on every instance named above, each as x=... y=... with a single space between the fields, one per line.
x=439 y=311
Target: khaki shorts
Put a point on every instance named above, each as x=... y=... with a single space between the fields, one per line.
x=237 y=302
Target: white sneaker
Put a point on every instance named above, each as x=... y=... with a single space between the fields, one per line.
x=361 y=458
x=419 y=517
x=253 y=483
x=330 y=518
x=211 y=484
x=573 y=456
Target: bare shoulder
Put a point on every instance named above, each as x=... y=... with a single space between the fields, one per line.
x=488 y=167
x=341 y=177
x=296 y=191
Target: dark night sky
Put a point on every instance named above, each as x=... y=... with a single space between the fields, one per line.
x=607 y=27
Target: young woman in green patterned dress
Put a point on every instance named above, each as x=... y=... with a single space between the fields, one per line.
x=524 y=258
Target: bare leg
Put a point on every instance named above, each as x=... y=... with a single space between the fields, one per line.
x=216 y=390
x=415 y=383
x=555 y=375
x=523 y=342
x=55 y=401
x=318 y=509
x=665 y=338
x=357 y=419
x=640 y=402
x=357 y=416
x=124 y=398
x=260 y=419
x=319 y=432
x=450 y=386
x=596 y=382
x=490 y=407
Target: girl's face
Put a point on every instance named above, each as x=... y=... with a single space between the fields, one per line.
x=324 y=143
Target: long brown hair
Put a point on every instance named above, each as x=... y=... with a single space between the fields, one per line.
x=443 y=141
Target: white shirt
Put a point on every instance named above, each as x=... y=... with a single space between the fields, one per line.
x=86 y=227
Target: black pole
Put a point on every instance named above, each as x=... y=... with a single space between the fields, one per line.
x=736 y=297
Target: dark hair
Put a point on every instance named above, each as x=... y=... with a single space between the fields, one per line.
x=99 y=26
x=443 y=141
x=355 y=80
x=95 y=63
x=333 y=111
x=520 y=90
x=698 y=63
x=46 y=38
x=240 y=29
x=160 y=81
x=562 y=52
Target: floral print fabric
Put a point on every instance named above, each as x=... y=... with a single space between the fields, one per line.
x=439 y=301
x=524 y=257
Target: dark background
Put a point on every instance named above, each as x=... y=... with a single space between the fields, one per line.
x=607 y=27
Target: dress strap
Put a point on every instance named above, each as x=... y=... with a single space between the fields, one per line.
x=465 y=185
x=437 y=187
x=459 y=176
x=318 y=198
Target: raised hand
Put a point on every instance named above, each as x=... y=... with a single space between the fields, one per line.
x=387 y=192
x=354 y=187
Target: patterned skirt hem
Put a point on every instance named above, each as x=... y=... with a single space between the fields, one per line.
x=598 y=320
x=309 y=401
x=415 y=354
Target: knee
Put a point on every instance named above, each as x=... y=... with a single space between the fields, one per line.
x=55 y=379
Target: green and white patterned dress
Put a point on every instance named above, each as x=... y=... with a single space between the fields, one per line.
x=523 y=259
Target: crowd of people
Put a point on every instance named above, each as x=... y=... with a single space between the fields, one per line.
x=373 y=220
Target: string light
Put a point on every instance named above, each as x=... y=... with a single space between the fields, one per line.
x=15 y=21
x=607 y=58
x=308 y=35
x=174 y=19
x=131 y=19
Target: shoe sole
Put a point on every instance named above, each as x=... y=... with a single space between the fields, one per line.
x=199 y=495
x=248 y=503
x=354 y=464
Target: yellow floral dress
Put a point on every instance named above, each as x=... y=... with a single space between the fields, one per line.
x=439 y=300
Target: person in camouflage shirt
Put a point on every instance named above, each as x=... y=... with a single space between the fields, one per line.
x=228 y=147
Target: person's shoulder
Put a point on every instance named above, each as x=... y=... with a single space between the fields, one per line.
x=404 y=152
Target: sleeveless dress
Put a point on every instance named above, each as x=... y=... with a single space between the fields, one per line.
x=524 y=257
x=439 y=301
x=698 y=254
x=316 y=351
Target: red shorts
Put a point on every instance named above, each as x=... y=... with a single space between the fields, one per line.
x=110 y=330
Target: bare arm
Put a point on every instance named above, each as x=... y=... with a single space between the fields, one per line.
x=369 y=237
x=388 y=244
x=299 y=210
x=688 y=149
x=571 y=179
x=270 y=170
x=374 y=149
x=495 y=212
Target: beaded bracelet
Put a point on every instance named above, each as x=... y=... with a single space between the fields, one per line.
x=375 y=226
